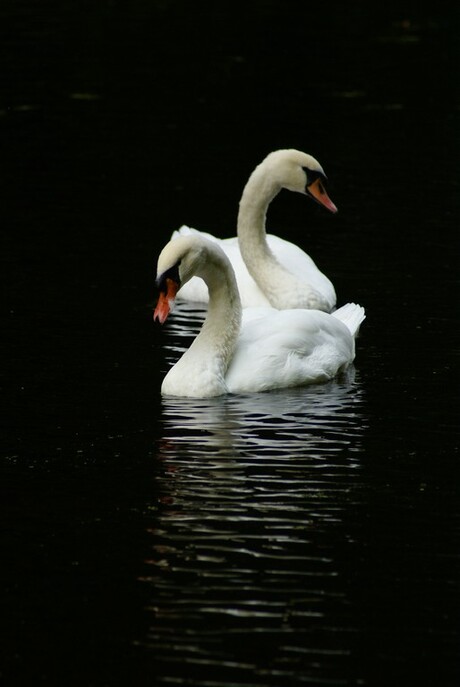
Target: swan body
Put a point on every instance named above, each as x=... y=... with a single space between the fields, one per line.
x=270 y=270
x=257 y=349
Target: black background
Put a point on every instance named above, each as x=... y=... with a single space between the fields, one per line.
x=119 y=121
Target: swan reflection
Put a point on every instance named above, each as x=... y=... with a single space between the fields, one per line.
x=313 y=422
x=322 y=419
x=253 y=475
x=291 y=454
x=288 y=445
x=253 y=495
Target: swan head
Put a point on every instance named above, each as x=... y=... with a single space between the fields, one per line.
x=178 y=262
x=188 y=256
x=297 y=171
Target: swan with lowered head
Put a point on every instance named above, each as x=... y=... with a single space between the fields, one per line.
x=270 y=270
x=253 y=350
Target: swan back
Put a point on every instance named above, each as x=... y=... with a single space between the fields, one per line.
x=286 y=348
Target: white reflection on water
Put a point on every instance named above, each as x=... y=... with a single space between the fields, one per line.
x=315 y=421
x=280 y=449
x=254 y=492
x=312 y=422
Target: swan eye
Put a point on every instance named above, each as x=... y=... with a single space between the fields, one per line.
x=172 y=274
x=313 y=176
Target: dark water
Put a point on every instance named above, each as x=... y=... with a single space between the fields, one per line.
x=303 y=537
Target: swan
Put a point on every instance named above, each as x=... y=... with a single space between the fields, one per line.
x=269 y=270
x=251 y=350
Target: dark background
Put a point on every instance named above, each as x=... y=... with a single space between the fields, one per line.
x=119 y=121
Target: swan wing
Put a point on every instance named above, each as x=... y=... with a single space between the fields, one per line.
x=278 y=349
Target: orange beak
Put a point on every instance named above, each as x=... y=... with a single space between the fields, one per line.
x=166 y=301
x=317 y=190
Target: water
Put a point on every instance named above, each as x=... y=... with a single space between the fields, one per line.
x=302 y=537
x=250 y=530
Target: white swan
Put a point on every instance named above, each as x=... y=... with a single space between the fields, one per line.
x=270 y=270
x=252 y=350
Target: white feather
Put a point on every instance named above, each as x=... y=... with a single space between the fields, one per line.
x=269 y=270
x=270 y=349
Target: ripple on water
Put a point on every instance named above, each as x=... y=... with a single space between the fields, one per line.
x=246 y=587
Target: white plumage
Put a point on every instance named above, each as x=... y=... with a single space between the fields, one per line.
x=257 y=349
x=270 y=270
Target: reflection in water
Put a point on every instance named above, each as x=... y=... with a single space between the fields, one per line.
x=244 y=569
x=307 y=423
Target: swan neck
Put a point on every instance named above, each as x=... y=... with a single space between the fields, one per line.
x=257 y=196
x=260 y=261
x=223 y=320
x=212 y=350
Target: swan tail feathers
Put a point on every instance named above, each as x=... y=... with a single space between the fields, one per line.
x=352 y=315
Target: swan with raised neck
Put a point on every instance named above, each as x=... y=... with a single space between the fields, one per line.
x=271 y=271
x=296 y=171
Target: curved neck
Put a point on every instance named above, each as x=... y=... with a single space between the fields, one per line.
x=257 y=196
x=223 y=321
x=261 y=263
x=213 y=348
x=281 y=286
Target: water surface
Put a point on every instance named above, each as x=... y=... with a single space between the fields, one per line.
x=306 y=536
